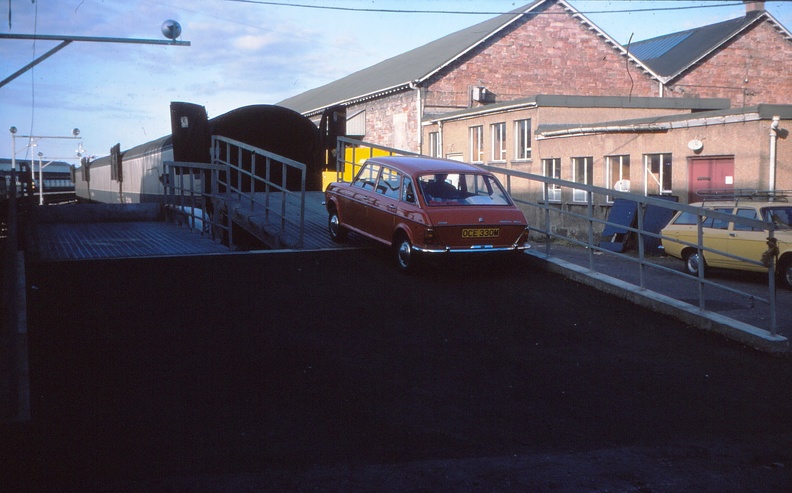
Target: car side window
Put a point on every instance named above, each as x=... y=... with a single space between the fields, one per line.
x=408 y=193
x=388 y=184
x=367 y=176
x=717 y=223
x=687 y=218
x=748 y=214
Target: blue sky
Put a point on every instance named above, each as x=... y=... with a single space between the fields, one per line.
x=241 y=53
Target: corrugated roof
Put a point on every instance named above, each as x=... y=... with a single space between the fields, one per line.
x=671 y=54
x=421 y=63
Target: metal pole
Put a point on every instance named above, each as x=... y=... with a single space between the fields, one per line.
x=41 y=182
x=641 y=253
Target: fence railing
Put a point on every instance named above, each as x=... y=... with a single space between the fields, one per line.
x=550 y=212
x=186 y=199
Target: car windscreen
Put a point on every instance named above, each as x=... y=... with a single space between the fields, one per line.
x=462 y=189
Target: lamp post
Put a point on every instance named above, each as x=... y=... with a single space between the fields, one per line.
x=33 y=142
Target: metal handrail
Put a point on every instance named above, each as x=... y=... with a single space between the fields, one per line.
x=550 y=208
x=240 y=161
x=185 y=196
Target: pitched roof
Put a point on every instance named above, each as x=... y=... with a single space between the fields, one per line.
x=417 y=65
x=672 y=54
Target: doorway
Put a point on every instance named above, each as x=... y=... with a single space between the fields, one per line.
x=708 y=174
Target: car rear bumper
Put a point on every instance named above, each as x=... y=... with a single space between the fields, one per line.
x=473 y=249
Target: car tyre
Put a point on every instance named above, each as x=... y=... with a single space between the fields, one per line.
x=693 y=263
x=338 y=233
x=784 y=276
x=406 y=257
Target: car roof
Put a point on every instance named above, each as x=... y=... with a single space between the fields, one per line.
x=424 y=164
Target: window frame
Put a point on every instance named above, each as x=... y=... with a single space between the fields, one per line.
x=476 y=142
x=434 y=144
x=553 y=190
x=522 y=139
x=498 y=139
x=579 y=195
x=662 y=175
x=609 y=172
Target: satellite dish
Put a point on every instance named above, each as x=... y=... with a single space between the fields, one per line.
x=695 y=145
x=171 y=29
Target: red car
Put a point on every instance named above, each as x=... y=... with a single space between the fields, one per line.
x=420 y=205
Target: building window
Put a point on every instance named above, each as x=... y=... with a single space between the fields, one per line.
x=657 y=169
x=522 y=132
x=582 y=172
x=477 y=144
x=498 y=141
x=617 y=173
x=552 y=169
x=434 y=144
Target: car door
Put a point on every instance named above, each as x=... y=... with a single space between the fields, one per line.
x=358 y=196
x=746 y=241
x=717 y=236
x=383 y=205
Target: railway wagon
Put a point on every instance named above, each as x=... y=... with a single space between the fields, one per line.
x=136 y=175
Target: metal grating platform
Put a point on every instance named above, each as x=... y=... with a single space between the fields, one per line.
x=79 y=241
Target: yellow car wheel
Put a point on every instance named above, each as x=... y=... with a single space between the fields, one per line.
x=694 y=263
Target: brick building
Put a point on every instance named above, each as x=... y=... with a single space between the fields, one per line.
x=544 y=90
x=548 y=47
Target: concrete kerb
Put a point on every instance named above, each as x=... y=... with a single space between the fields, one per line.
x=741 y=332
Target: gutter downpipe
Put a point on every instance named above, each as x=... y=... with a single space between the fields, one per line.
x=773 y=152
x=440 y=138
x=415 y=85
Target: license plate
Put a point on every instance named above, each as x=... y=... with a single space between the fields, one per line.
x=480 y=233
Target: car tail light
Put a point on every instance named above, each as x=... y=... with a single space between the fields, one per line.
x=429 y=237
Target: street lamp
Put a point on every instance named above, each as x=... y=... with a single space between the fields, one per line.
x=33 y=142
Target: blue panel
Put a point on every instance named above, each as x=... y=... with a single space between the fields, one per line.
x=655 y=219
x=622 y=213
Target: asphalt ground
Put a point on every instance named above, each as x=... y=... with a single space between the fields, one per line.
x=747 y=306
x=331 y=371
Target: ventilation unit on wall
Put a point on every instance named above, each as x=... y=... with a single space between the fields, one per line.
x=479 y=94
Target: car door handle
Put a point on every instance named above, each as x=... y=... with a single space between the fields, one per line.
x=732 y=235
x=392 y=207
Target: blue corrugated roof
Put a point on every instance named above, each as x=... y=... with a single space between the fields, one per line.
x=671 y=54
x=657 y=47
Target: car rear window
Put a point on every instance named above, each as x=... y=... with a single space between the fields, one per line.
x=462 y=189
x=780 y=216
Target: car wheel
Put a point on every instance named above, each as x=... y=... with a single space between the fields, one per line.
x=406 y=256
x=784 y=275
x=693 y=263
x=338 y=233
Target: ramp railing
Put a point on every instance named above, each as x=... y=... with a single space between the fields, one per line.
x=270 y=186
x=523 y=189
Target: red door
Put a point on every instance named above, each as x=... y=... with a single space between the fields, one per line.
x=709 y=173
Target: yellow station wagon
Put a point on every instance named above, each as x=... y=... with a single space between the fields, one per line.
x=733 y=238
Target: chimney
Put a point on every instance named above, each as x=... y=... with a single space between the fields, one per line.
x=753 y=6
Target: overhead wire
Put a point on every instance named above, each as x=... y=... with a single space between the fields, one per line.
x=719 y=3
